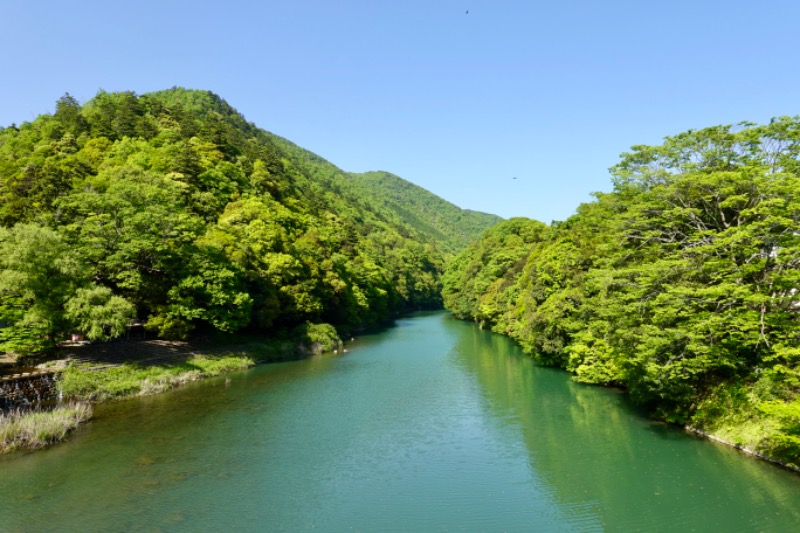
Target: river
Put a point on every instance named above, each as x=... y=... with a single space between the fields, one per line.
x=430 y=425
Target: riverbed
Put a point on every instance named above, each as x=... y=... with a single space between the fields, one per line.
x=430 y=425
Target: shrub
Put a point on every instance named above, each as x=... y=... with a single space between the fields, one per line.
x=317 y=338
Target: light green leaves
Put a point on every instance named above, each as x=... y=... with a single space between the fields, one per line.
x=685 y=278
x=98 y=313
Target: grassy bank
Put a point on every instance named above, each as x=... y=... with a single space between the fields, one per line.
x=758 y=418
x=33 y=430
x=93 y=382
x=81 y=382
x=30 y=430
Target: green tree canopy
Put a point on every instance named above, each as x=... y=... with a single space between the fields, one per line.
x=681 y=285
x=173 y=203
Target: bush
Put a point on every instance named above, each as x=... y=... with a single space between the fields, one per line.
x=317 y=338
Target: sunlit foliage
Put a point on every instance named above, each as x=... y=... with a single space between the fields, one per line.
x=170 y=207
x=678 y=285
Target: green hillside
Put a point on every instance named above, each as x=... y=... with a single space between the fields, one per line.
x=430 y=215
x=395 y=200
x=171 y=208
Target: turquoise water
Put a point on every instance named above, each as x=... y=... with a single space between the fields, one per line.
x=432 y=425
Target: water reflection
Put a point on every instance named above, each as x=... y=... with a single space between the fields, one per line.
x=431 y=425
x=599 y=455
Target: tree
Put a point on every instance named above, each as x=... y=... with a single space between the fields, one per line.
x=38 y=274
x=97 y=313
x=68 y=113
x=174 y=203
x=479 y=282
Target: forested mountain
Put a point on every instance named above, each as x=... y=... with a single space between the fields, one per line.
x=680 y=285
x=396 y=200
x=172 y=208
x=432 y=216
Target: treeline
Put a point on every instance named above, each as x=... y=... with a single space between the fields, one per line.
x=680 y=285
x=171 y=208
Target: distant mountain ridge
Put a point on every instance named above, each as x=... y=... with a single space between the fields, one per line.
x=429 y=214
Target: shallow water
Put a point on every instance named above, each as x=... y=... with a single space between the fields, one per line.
x=432 y=425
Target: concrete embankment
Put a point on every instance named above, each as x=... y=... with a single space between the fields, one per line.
x=27 y=390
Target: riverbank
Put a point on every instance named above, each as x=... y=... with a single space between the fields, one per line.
x=90 y=373
x=744 y=449
x=760 y=418
x=86 y=383
x=38 y=429
x=83 y=384
x=416 y=425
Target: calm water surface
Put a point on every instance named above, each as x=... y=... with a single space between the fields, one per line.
x=432 y=425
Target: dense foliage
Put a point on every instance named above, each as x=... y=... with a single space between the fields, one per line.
x=171 y=208
x=681 y=284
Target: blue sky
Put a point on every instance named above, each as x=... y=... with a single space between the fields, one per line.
x=548 y=92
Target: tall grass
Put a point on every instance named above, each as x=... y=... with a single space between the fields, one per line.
x=37 y=429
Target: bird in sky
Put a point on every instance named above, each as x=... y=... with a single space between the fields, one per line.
x=467 y=13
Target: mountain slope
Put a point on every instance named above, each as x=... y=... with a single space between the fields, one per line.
x=172 y=208
x=432 y=216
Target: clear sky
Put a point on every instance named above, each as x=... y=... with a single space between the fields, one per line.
x=549 y=92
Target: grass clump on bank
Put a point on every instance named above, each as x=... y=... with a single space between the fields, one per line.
x=83 y=383
x=31 y=430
